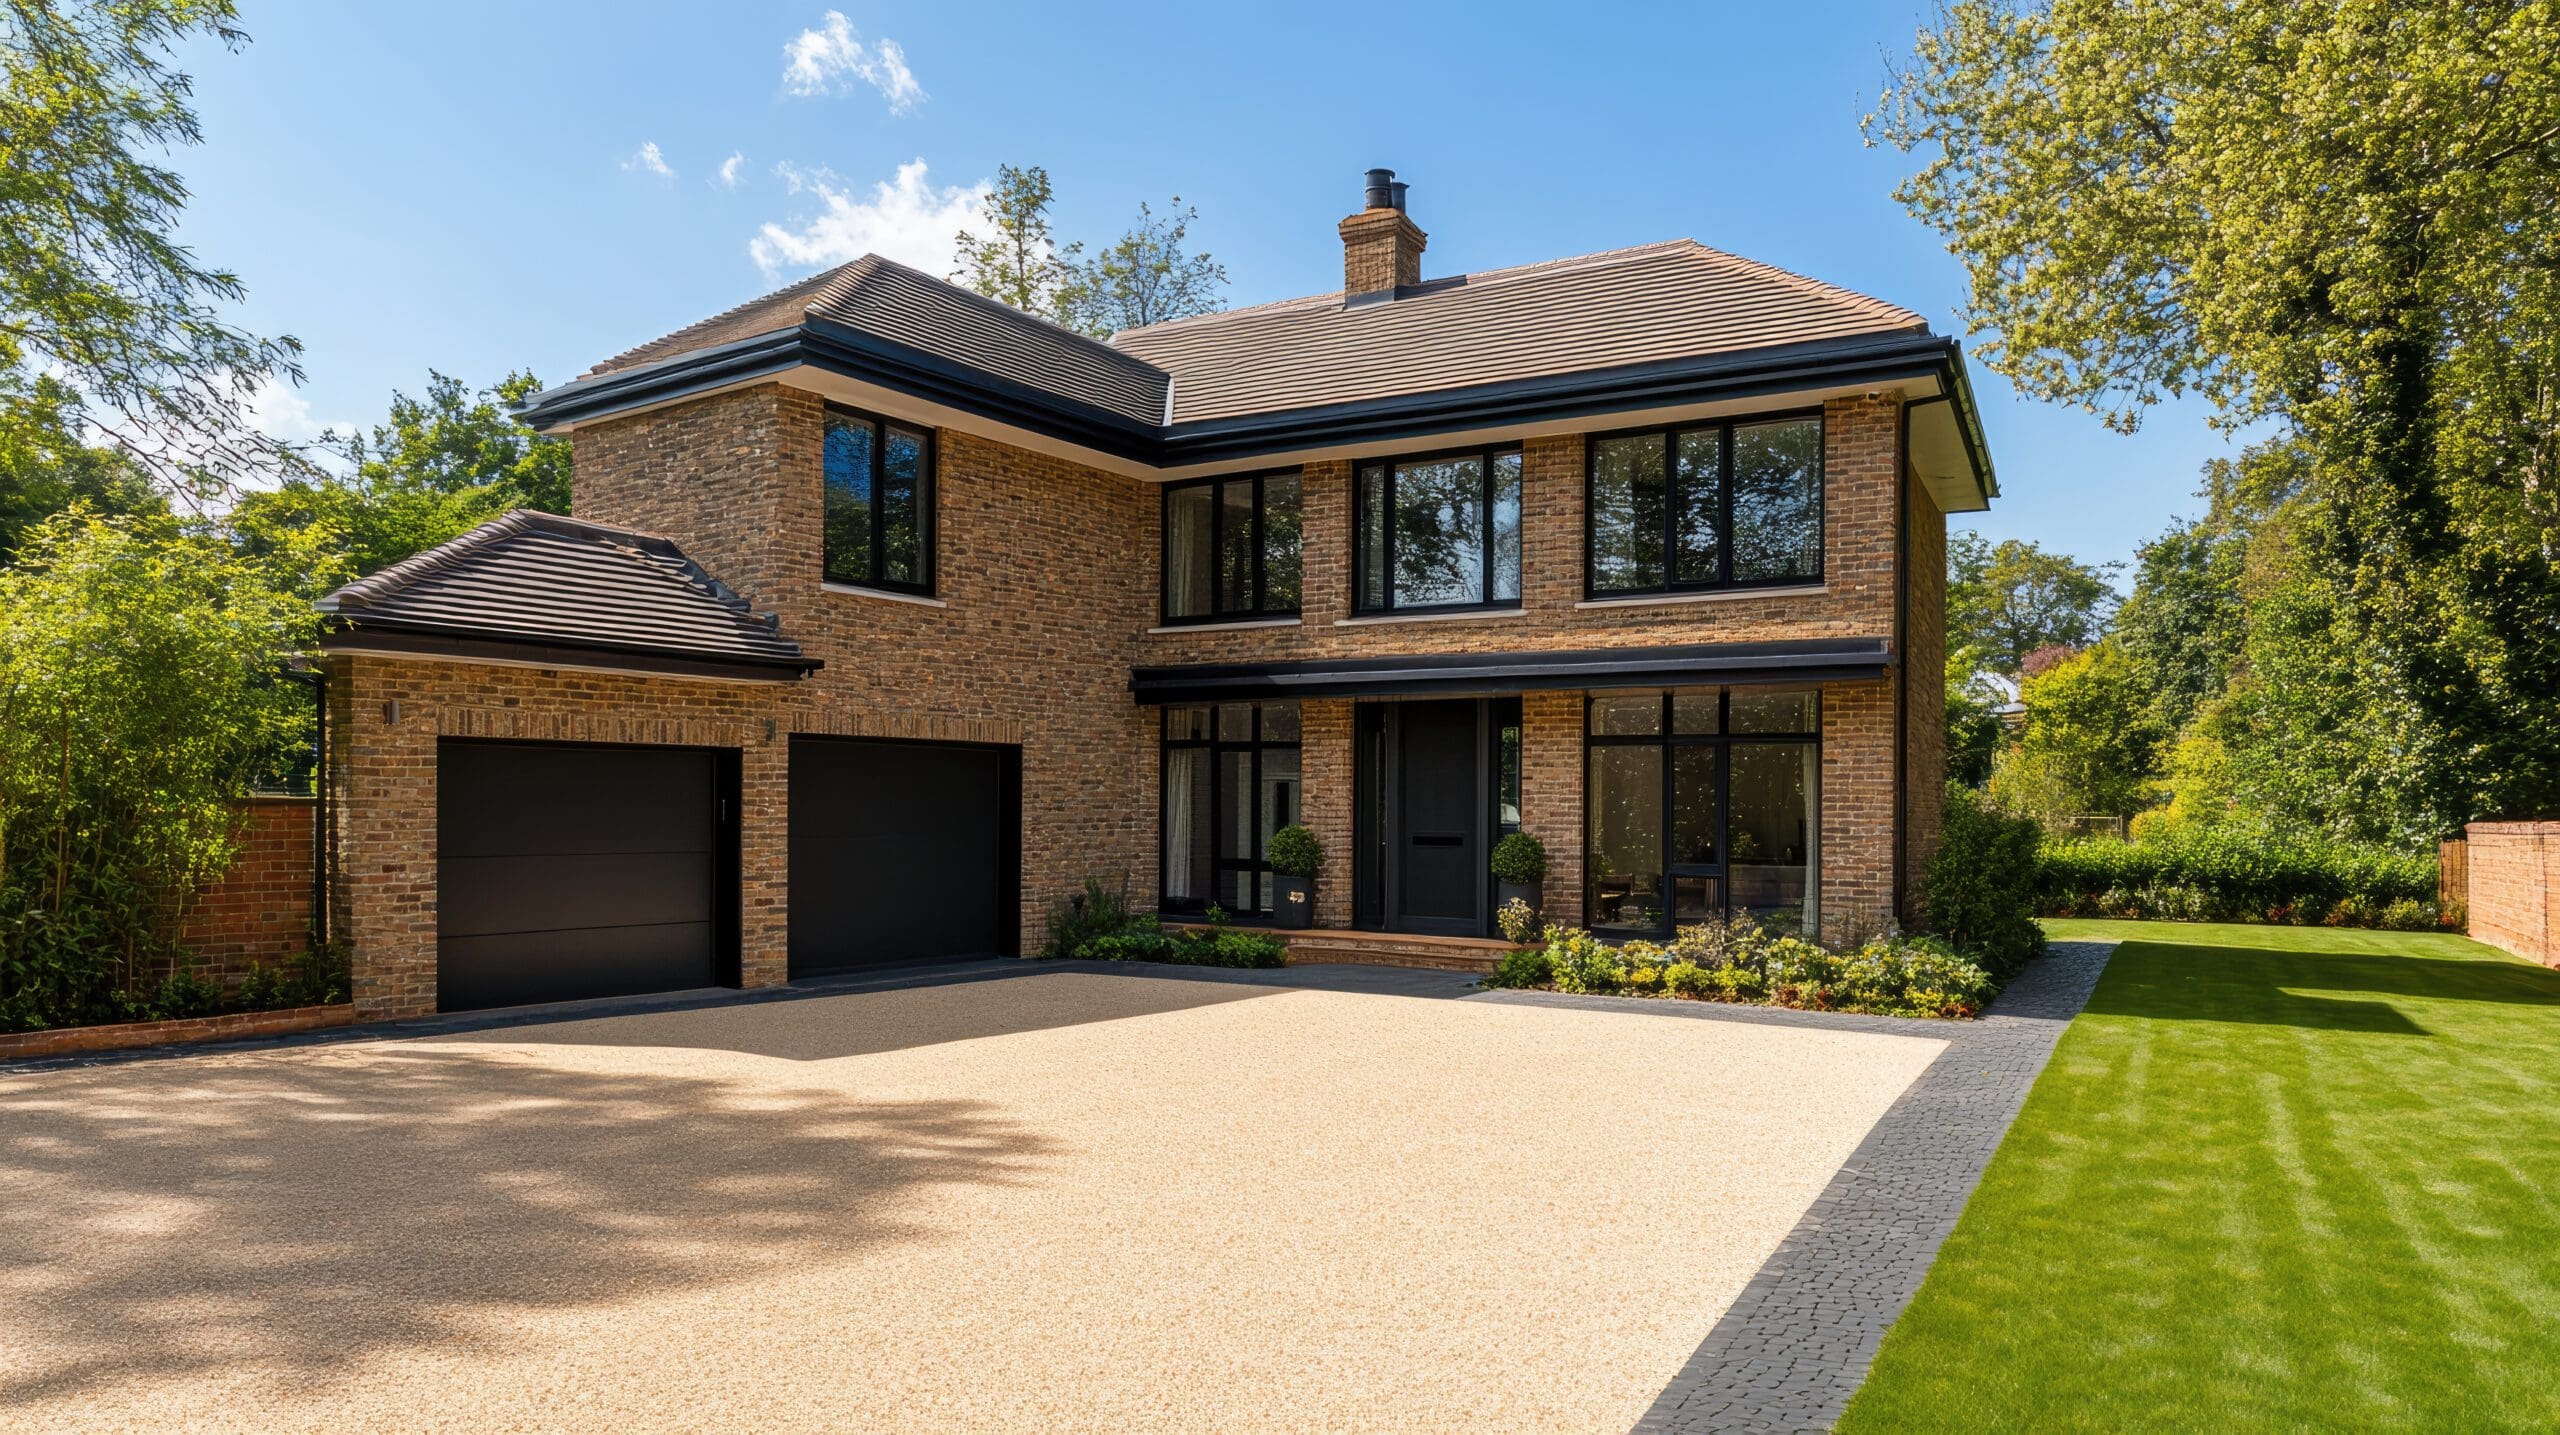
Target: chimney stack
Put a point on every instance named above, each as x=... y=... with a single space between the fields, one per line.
x=1381 y=247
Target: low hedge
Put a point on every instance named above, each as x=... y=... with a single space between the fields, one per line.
x=1740 y=961
x=2237 y=875
x=1144 y=939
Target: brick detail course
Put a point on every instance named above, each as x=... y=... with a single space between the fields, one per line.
x=2514 y=898
x=125 y=1036
x=259 y=910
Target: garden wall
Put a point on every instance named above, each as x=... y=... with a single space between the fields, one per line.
x=260 y=910
x=2515 y=888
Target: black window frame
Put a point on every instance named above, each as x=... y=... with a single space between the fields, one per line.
x=1724 y=581
x=1217 y=548
x=1386 y=559
x=1667 y=739
x=928 y=503
x=1258 y=866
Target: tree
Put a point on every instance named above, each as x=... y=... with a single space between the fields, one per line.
x=1145 y=276
x=2345 y=217
x=2006 y=601
x=96 y=293
x=2090 y=743
x=46 y=467
x=139 y=697
x=438 y=467
x=1017 y=261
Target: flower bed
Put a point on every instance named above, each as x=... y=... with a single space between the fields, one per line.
x=1741 y=961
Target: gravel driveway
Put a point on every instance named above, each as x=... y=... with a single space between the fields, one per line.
x=1055 y=1200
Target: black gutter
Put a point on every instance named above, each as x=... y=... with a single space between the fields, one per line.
x=401 y=641
x=1503 y=674
x=840 y=349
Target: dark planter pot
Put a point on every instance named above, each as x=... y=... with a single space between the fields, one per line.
x=1533 y=893
x=1293 y=902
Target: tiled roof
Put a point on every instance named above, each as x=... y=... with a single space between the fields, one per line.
x=908 y=307
x=1674 y=300
x=542 y=579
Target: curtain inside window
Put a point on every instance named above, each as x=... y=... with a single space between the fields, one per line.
x=1186 y=797
x=1190 y=565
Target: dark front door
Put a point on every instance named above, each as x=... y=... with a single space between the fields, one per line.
x=901 y=852
x=1436 y=853
x=565 y=872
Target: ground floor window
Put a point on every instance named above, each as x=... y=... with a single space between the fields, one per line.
x=1702 y=803
x=1230 y=781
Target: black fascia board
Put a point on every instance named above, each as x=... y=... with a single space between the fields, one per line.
x=376 y=635
x=840 y=349
x=1503 y=674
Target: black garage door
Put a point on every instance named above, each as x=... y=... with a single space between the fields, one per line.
x=901 y=852
x=565 y=871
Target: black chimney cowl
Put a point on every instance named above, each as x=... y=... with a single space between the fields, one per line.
x=1381 y=190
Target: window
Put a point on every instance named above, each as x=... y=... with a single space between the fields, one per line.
x=1721 y=506
x=1231 y=548
x=1230 y=781
x=878 y=520
x=1702 y=804
x=1438 y=532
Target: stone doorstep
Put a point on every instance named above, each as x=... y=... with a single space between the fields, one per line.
x=124 y=1036
x=1381 y=949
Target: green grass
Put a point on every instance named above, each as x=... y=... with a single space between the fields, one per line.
x=2275 y=1178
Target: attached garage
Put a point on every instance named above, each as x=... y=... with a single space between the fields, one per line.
x=902 y=852
x=567 y=871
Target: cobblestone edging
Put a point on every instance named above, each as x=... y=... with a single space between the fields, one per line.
x=1796 y=1344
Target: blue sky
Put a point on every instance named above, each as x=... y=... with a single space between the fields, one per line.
x=465 y=187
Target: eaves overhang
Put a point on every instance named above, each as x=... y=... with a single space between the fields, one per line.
x=1899 y=357
x=344 y=633
x=1502 y=674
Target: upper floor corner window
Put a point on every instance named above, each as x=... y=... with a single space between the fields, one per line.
x=1232 y=548
x=1710 y=506
x=1439 y=532
x=878 y=519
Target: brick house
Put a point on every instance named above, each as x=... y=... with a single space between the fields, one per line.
x=889 y=614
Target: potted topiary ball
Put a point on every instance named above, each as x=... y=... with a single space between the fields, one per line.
x=1519 y=871
x=1295 y=857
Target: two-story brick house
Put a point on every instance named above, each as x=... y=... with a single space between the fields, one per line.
x=889 y=614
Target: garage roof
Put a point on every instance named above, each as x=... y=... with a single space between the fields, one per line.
x=540 y=587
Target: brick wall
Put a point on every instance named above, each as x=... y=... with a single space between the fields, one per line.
x=1924 y=662
x=2515 y=888
x=259 y=911
x=1046 y=588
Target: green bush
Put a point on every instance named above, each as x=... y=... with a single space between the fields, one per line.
x=1100 y=910
x=2230 y=873
x=1523 y=967
x=1741 y=961
x=1981 y=885
x=1520 y=860
x=1294 y=852
x=1230 y=947
x=1582 y=962
x=1142 y=938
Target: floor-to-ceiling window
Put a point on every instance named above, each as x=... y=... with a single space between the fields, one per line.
x=1702 y=803
x=1230 y=781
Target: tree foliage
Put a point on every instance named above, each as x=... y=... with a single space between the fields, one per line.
x=96 y=293
x=1146 y=276
x=140 y=695
x=2345 y=217
x=1016 y=260
x=2005 y=601
x=2089 y=729
x=439 y=466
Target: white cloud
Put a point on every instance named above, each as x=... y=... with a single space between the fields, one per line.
x=279 y=410
x=830 y=59
x=729 y=169
x=907 y=219
x=647 y=160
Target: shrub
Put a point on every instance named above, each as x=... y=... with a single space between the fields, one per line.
x=1981 y=885
x=1098 y=911
x=1740 y=961
x=2231 y=872
x=1520 y=860
x=1518 y=920
x=2408 y=915
x=1523 y=967
x=1294 y=852
x=1230 y=947
x=1686 y=979
x=1582 y=962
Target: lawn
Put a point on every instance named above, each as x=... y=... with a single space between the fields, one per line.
x=2274 y=1178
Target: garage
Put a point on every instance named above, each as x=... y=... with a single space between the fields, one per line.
x=902 y=852
x=566 y=871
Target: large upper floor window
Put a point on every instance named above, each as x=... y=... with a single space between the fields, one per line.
x=1231 y=548
x=1441 y=532
x=1722 y=505
x=879 y=503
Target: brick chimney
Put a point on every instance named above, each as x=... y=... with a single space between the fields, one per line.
x=1381 y=248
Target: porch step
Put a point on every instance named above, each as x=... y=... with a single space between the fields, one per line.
x=1397 y=949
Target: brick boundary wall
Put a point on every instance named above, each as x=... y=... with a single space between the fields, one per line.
x=260 y=909
x=123 y=1036
x=2515 y=888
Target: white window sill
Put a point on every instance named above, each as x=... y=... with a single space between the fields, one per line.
x=1721 y=595
x=1480 y=615
x=853 y=591
x=1226 y=627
